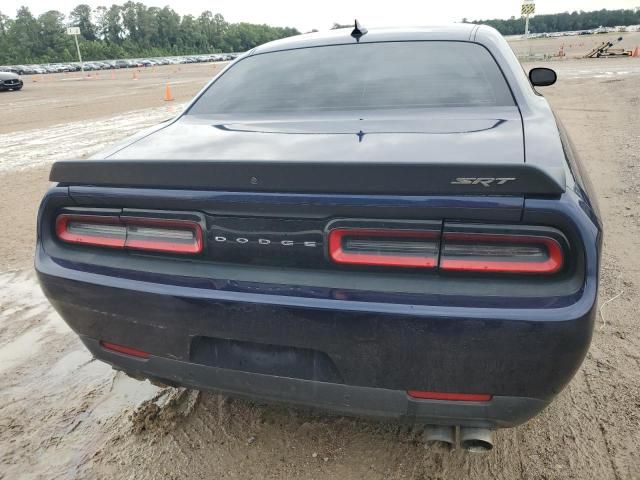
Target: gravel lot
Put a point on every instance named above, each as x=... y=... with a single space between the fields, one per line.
x=576 y=46
x=63 y=415
x=59 y=98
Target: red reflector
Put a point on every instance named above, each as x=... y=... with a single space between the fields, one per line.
x=379 y=247
x=125 y=350
x=480 y=252
x=459 y=397
x=153 y=234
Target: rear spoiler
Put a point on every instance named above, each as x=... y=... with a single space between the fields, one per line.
x=328 y=177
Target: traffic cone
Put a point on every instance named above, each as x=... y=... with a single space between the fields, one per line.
x=167 y=93
x=113 y=75
x=135 y=75
x=636 y=52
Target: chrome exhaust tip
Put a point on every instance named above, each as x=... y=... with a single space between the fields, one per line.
x=440 y=436
x=477 y=440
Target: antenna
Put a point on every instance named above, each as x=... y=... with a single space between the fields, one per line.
x=358 y=30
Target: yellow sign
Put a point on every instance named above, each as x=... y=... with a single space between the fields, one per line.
x=528 y=8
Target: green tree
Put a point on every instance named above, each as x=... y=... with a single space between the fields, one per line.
x=566 y=21
x=112 y=28
x=128 y=30
x=81 y=17
x=168 y=28
x=23 y=37
x=53 y=37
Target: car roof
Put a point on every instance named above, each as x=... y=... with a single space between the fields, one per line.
x=453 y=32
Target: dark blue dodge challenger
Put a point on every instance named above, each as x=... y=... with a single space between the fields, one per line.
x=388 y=223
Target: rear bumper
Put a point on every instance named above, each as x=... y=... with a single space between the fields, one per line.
x=348 y=344
x=379 y=403
x=363 y=363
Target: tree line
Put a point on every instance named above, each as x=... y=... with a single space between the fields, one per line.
x=124 y=31
x=562 y=22
x=135 y=30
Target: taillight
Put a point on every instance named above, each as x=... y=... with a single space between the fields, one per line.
x=152 y=234
x=500 y=253
x=174 y=236
x=106 y=231
x=450 y=247
x=384 y=247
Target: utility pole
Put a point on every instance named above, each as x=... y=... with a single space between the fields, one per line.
x=528 y=8
x=75 y=31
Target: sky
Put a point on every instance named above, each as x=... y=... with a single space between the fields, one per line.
x=306 y=15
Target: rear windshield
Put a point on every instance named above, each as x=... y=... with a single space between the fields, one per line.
x=359 y=76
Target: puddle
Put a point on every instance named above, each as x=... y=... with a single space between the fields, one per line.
x=59 y=404
x=70 y=362
x=20 y=349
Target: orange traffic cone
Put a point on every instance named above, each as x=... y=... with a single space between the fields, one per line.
x=167 y=93
x=113 y=75
x=636 y=52
x=135 y=75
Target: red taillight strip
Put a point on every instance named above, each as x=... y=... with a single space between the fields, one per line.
x=457 y=397
x=339 y=255
x=133 y=352
x=160 y=246
x=551 y=265
x=63 y=233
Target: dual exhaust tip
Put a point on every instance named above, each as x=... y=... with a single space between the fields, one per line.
x=472 y=439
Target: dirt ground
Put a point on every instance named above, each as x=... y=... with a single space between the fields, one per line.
x=572 y=47
x=64 y=415
x=58 y=98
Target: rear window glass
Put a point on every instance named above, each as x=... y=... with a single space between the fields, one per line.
x=359 y=76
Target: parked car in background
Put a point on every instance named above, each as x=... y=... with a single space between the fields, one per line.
x=10 y=81
x=92 y=65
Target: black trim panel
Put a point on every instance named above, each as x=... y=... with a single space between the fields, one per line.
x=328 y=177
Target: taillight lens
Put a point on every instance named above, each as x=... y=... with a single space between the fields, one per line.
x=164 y=236
x=159 y=235
x=106 y=231
x=450 y=246
x=381 y=247
x=508 y=253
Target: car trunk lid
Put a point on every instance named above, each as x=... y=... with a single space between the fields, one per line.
x=467 y=151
